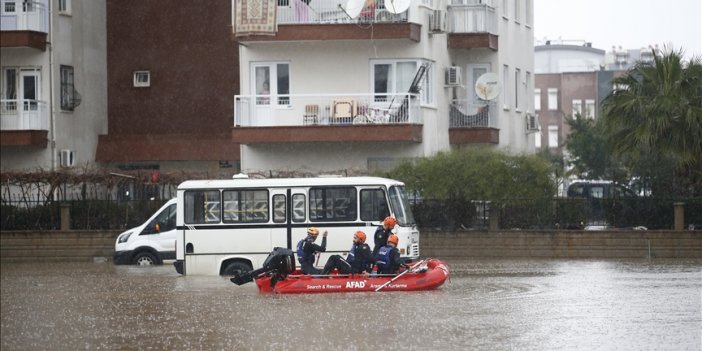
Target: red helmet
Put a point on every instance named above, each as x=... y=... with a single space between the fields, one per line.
x=361 y=236
x=393 y=239
x=390 y=222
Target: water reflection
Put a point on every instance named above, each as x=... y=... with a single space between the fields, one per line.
x=493 y=304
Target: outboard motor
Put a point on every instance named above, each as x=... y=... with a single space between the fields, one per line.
x=279 y=263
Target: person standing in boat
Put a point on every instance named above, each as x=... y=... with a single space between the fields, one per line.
x=380 y=238
x=388 y=258
x=359 y=260
x=309 y=249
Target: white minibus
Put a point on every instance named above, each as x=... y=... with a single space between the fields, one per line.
x=228 y=226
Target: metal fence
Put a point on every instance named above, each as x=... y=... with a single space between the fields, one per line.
x=558 y=213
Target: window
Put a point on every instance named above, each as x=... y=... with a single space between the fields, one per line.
x=67 y=89
x=395 y=77
x=590 y=108
x=553 y=136
x=142 y=78
x=9 y=7
x=373 y=205
x=529 y=9
x=505 y=9
x=332 y=204
x=64 y=7
x=537 y=140
x=537 y=99
x=279 y=208
x=9 y=90
x=577 y=108
x=505 y=83
x=246 y=206
x=202 y=207
x=517 y=10
x=517 y=74
x=298 y=208
x=527 y=86
x=166 y=221
x=271 y=83
x=552 y=99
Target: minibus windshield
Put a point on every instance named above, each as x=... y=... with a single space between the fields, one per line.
x=400 y=206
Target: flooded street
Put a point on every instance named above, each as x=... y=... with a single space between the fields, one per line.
x=487 y=304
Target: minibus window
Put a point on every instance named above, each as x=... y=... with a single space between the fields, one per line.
x=202 y=207
x=279 y=208
x=245 y=206
x=374 y=207
x=333 y=204
x=298 y=208
x=400 y=206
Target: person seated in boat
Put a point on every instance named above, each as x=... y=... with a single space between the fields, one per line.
x=388 y=258
x=306 y=250
x=380 y=238
x=359 y=260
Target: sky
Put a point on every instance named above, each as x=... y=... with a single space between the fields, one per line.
x=633 y=24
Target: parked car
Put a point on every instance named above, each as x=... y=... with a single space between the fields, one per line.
x=151 y=242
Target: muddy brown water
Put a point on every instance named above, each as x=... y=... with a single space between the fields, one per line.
x=487 y=305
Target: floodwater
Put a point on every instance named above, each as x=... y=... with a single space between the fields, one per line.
x=487 y=305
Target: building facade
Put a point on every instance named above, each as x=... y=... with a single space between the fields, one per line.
x=344 y=88
x=53 y=85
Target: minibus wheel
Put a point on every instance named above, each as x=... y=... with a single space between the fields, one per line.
x=236 y=268
x=145 y=259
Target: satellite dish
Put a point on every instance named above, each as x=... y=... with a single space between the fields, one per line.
x=397 y=6
x=487 y=87
x=353 y=7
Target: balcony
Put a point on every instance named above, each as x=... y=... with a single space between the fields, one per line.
x=327 y=118
x=328 y=20
x=24 y=123
x=23 y=24
x=472 y=26
x=473 y=123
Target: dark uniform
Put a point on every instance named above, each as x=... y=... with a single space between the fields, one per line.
x=360 y=259
x=309 y=250
x=380 y=238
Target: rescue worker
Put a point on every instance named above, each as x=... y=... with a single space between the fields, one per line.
x=380 y=238
x=359 y=260
x=388 y=258
x=309 y=249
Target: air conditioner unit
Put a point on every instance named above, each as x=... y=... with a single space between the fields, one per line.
x=437 y=22
x=532 y=122
x=67 y=158
x=453 y=76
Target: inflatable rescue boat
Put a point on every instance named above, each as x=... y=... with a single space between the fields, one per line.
x=278 y=275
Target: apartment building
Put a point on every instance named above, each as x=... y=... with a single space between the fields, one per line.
x=363 y=84
x=53 y=84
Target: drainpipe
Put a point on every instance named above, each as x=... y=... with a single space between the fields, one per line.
x=52 y=120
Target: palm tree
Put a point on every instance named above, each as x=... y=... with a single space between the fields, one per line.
x=657 y=107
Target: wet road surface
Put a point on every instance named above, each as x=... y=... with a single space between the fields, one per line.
x=487 y=305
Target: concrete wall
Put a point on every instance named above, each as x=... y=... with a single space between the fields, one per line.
x=85 y=245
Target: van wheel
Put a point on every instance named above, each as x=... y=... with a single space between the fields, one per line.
x=145 y=259
x=236 y=268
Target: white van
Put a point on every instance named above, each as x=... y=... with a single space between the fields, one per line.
x=150 y=243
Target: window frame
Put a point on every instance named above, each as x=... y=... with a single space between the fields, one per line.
x=537 y=99
x=552 y=105
x=64 y=7
x=275 y=79
x=67 y=87
x=426 y=89
x=320 y=195
x=140 y=83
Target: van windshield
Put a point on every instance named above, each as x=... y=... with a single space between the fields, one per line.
x=400 y=206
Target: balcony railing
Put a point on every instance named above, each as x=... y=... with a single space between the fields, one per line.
x=23 y=115
x=21 y=15
x=327 y=109
x=332 y=11
x=470 y=115
x=477 y=18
